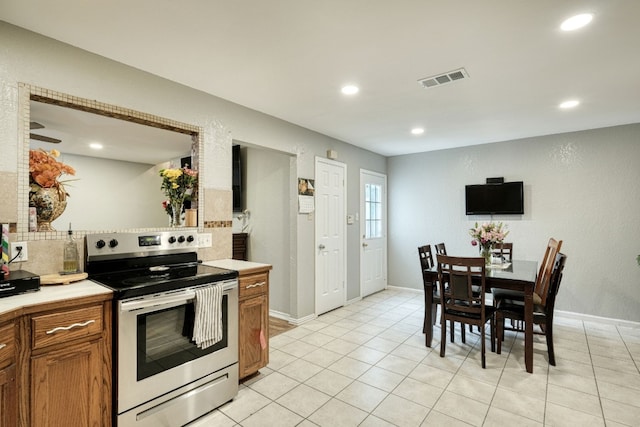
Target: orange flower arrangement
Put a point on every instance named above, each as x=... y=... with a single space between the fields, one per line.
x=45 y=170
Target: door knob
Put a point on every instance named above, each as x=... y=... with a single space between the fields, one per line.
x=321 y=246
x=364 y=245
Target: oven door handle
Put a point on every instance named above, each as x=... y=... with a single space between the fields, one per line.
x=165 y=301
x=171 y=300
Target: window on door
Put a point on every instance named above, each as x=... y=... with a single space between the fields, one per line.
x=373 y=211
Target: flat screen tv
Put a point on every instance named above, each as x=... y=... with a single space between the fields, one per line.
x=495 y=199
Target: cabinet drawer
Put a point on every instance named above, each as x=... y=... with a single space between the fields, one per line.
x=63 y=326
x=254 y=284
x=7 y=343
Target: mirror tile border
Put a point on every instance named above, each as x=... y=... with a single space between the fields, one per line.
x=25 y=94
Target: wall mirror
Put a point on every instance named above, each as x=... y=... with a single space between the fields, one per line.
x=116 y=187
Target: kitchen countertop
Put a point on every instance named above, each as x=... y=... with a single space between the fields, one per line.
x=52 y=293
x=242 y=267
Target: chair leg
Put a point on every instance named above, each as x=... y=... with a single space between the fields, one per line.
x=453 y=331
x=548 y=331
x=462 y=333
x=499 y=331
x=443 y=335
x=483 y=347
x=492 y=329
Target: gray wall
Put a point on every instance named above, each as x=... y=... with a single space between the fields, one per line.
x=581 y=187
x=33 y=59
x=267 y=182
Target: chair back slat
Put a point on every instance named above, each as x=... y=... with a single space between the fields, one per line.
x=556 y=278
x=546 y=268
x=426 y=260
x=457 y=277
x=504 y=251
x=441 y=249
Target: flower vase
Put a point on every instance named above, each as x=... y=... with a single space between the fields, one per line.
x=50 y=203
x=176 y=213
x=485 y=252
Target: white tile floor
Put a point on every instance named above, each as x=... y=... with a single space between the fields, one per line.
x=366 y=365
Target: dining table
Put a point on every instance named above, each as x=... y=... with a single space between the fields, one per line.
x=518 y=275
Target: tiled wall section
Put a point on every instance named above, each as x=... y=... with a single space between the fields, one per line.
x=45 y=249
x=45 y=255
x=217 y=207
x=9 y=197
x=221 y=248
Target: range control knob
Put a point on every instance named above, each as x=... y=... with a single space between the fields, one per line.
x=190 y=238
x=100 y=244
x=172 y=239
x=113 y=243
x=181 y=239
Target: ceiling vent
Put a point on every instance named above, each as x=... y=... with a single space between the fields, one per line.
x=441 y=79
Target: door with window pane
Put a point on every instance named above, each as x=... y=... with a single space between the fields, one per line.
x=373 y=227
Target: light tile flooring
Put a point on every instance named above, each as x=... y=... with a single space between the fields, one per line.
x=366 y=365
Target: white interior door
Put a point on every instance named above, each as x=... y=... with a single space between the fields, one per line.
x=330 y=235
x=373 y=229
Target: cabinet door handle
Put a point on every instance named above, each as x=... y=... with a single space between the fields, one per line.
x=255 y=285
x=2 y=346
x=66 y=328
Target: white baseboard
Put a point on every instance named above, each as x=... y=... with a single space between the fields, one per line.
x=566 y=314
x=597 y=319
x=353 y=301
x=288 y=318
x=401 y=288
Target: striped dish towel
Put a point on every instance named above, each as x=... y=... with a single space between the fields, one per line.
x=207 y=326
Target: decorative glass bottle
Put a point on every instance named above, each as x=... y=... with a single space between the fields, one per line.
x=71 y=258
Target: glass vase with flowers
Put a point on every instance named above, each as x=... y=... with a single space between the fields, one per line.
x=177 y=184
x=47 y=192
x=486 y=236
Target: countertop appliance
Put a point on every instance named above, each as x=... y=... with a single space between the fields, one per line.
x=19 y=282
x=161 y=377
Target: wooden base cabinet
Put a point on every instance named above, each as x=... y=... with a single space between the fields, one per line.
x=66 y=386
x=8 y=396
x=8 y=384
x=253 y=320
x=62 y=370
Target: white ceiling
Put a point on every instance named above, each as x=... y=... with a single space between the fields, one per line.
x=289 y=58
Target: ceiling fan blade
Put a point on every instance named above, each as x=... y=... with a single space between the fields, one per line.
x=44 y=138
x=35 y=125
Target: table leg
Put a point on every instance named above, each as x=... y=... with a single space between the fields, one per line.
x=429 y=313
x=528 y=330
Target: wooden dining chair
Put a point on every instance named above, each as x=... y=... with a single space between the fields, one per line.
x=441 y=249
x=543 y=278
x=426 y=264
x=542 y=314
x=459 y=302
x=504 y=251
x=541 y=289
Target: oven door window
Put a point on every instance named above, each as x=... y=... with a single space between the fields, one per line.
x=165 y=339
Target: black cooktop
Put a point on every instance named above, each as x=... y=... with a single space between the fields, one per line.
x=137 y=264
x=149 y=275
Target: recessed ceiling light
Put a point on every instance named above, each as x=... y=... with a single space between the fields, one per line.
x=350 y=89
x=576 y=22
x=569 y=104
x=95 y=146
x=417 y=131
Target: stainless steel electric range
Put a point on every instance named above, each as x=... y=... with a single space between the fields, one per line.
x=162 y=378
